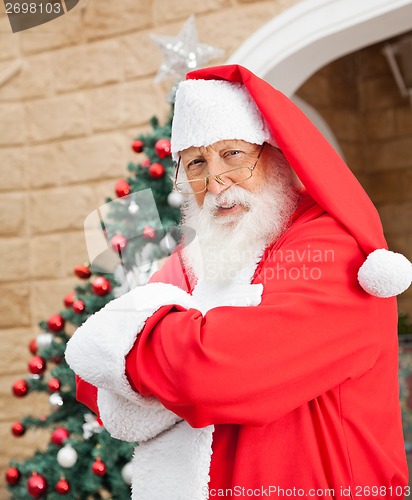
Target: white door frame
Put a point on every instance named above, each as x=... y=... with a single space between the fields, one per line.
x=295 y=44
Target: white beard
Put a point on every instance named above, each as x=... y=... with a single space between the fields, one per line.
x=227 y=248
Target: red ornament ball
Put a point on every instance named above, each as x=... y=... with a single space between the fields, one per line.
x=82 y=271
x=162 y=148
x=122 y=188
x=101 y=286
x=137 y=146
x=145 y=163
x=33 y=346
x=37 y=485
x=56 y=323
x=69 y=299
x=118 y=242
x=12 y=476
x=99 y=468
x=149 y=233
x=20 y=388
x=62 y=487
x=18 y=429
x=156 y=171
x=78 y=306
x=59 y=435
x=37 y=365
x=54 y=384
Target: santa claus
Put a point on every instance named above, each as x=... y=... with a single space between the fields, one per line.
x=262 y=358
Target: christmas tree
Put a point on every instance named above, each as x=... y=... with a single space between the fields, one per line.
x=138 y=229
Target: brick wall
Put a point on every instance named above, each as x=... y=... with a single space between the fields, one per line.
x=358 y=97
x=67 y=119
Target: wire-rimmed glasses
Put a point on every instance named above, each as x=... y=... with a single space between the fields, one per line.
x=198 y=185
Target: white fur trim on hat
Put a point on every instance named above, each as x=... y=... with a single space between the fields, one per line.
x=385 y=273
x=208 y=111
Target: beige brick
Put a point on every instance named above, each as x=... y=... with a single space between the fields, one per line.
x=46 y=165
x=12 y=169
x=34 y=79
x=47 y=297
x=15 y=343
x=396 y=218
x=390 y=155
x=14 y=258
x=403 y=120
x=94 y=158
x=14 y=305
x=13 y=124
x=78 y=160
x=60 y=117
x=63 y=31
x=379 y=93
x=104 y=19
x=140 y=56
x=88 y=66
x=165 y=12
x=9 y=46
x=74 y=252
x=60 y=209
x=12 y=213
x=126 y=105
x=46 y=256
x=380 y=124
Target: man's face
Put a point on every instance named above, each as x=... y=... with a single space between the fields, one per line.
x=222 y=156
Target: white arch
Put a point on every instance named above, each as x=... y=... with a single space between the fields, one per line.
x=294 y=45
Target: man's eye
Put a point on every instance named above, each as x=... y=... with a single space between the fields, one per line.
x=234 y=152
x=194 y=162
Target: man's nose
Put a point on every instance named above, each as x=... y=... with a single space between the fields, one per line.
x=215 y=184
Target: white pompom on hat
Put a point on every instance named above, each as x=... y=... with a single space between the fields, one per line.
x=208 y=111
x=202 y=117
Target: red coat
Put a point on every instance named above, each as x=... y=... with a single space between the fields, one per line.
x=302 y=389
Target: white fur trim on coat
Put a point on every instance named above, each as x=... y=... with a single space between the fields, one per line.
x=97 y=350
x=207 y=111
x=173 y=466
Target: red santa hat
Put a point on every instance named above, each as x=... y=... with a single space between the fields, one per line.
x=230 y=102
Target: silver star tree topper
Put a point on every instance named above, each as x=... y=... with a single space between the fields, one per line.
x=183 y=52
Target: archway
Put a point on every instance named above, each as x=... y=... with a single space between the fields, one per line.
x=307 y=36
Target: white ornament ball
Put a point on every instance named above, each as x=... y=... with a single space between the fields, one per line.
x=67 y=456
x=127 y=473
x=55 y=400
x=175 y=199
x=133 y=208
x=385 y=273
x=44 y=340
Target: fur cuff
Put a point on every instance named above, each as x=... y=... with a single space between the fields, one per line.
x=175 y=465
x=132 y=422
x=97 y=350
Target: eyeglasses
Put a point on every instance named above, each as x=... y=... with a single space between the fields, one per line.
x=236 y=175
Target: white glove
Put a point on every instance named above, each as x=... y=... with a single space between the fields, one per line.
x=209 y=295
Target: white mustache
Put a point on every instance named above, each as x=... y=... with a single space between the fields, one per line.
x=232 y=196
